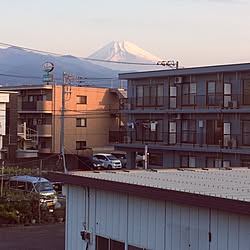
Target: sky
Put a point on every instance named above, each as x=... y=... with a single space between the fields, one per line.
x=192 y=32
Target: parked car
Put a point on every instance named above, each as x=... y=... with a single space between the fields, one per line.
x=109 y=160
x=39 y=185
x=122 y=156
x=90 y=163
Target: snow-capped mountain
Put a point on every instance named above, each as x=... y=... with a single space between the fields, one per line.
x=124 y=51
x=28 y=68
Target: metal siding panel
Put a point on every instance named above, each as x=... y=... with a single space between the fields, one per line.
x=144 y=222
x=193 y=231
x=185 y=228
x=92 y=215
x=222 y=231
x=130 y=220
x=176 y=234
x=160 y=225
x=101 y=213
x=244 y=229
x=233 y=232
x=76 y=218
x=136 y=220
x=214 y=229
x=109 y=216
x=203 y=228
x=123 y=217
x=169 y=224
x=151 y=237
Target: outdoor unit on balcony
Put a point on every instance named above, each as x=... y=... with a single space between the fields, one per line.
x=232 y=143
x=233 y=104
x=178 y=79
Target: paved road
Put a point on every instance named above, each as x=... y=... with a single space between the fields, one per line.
x=38 y=237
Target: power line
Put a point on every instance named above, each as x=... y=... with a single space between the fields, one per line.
x=170 y=64
x=60 y=79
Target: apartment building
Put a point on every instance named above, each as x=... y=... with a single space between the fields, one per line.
x=188 y=117
x=89 y=114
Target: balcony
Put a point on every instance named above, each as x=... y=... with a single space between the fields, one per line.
x=187 y=141
x=41 y=106
x=210 y=102
x=27 y=142
x=44 y=130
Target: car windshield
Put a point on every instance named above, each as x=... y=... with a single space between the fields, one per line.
x=44 y=186
x=111 y=157
x=95 y=158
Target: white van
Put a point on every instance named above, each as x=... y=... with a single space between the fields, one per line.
x=30 y=184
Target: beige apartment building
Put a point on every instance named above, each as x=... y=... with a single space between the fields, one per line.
x=89 y=114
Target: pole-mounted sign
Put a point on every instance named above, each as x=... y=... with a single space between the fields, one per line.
x=47 y=68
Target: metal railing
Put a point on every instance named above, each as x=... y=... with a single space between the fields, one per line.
x=193 y=139
x=209 y=101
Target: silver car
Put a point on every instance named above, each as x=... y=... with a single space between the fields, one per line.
x=109 y=160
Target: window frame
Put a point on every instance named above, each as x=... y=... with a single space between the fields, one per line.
x=81 y=99
x=81 y=145
x=79 y=122
x=188 y=98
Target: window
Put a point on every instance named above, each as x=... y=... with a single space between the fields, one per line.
x=213 y=97
x=156 y=159
x=80 y=145
x=81 y=99
x=227 y=94
x=149 y=96
x=246 y=132
x=81 y=122
x=246 y=92
x=108 y=244
x=189 y=94
x=172 y=97
x=149 y=130
x=245 y=163
x=212 y=162
x=116 y=245
x=188 y=131
x=172 y=132
x=135 y=248
x=188 y=161
x=102 y=243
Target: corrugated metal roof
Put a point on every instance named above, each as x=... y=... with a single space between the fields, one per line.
x=230 y=184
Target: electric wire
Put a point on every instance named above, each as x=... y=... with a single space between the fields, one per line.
x=85 y=58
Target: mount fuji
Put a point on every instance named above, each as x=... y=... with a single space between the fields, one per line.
x=125 y=51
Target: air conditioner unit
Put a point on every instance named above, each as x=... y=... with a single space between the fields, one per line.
x=231 y=143
x=235 y=104
x=230 y=104
x=178 y=79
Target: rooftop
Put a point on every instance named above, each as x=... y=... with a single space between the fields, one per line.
x=187 y=71
x=221 y=189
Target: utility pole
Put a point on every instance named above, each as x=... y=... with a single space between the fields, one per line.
x=62 y=124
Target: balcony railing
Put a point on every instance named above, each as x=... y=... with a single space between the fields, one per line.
x=193 y=139
x=209 y=101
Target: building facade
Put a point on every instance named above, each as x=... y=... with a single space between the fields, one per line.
x=157 y=210
x=189 y=117
x=89 y=114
